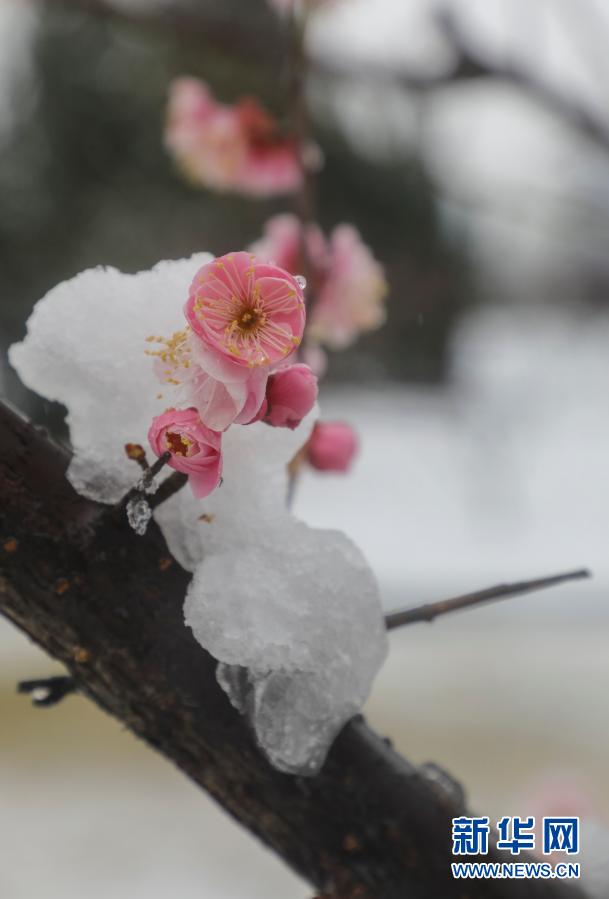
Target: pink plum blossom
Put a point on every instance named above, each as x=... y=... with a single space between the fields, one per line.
x=332 y=446
x=347 y=283
x=244 y=320
x=290 y=395
x=247 y=313
x=229 y=147
x=195 y=449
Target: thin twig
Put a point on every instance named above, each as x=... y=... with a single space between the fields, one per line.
x=432 y=610
x=294 y=468
x=291 y=491
x=138 y=491
x=154 y=469
x=168 y=488
x=305 y=198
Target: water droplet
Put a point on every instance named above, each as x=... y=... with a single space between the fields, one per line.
x=139 y=514
x=301 y=281
x=39 y=694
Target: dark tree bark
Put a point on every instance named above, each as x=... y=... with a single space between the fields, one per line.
x=108 y=604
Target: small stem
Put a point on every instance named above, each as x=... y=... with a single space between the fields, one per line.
x=49 y=690
x=432 y=610
x=147 y=478
x=294 y=468
x=291 y=491
x=170 y=485
x=158 y=465
x=301 y=124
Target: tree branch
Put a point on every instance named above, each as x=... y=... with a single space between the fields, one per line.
x=432 y=610
x=48 y=691
x=471 y=64
x=106 y=603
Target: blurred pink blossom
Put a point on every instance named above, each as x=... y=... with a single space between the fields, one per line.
x=195 y=449
x=332 y=446
x=346 y=282
x=315 y=357
x=290 y=394
x=229 y=147
x=558 y=794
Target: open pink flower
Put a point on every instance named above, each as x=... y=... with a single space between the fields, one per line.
x=195 y=449
x=248 y=314
x=290 y=394
x=245 y=319
x=346 y=281
x=332 y=446
x=225 y=147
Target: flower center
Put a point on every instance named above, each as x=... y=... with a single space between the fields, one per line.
x=249 y=320
x=179 y=444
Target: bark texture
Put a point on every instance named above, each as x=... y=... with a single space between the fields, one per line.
x=108 y=604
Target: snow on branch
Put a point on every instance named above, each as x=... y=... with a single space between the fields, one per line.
x=107 y=603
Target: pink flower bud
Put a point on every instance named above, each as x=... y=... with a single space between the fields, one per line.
x=195 y=449
x=332 y=446
x=290 y=394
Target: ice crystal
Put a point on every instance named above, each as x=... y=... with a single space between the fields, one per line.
x=139 y=514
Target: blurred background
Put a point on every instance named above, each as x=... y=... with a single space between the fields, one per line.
x=469 y=143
